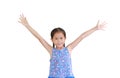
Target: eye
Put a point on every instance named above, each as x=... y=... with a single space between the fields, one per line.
x=56 y=38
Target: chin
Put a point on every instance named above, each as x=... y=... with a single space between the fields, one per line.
x=60 y=47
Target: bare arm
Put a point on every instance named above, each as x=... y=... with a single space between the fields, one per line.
x=24 y=22
x=85 y=34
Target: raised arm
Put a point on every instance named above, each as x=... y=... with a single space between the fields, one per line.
x=24 y=22
x=85 y=34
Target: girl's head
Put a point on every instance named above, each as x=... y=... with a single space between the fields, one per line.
x=58 y=37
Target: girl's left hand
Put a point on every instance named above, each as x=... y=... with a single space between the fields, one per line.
x=101 y=26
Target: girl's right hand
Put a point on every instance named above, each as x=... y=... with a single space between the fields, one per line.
x=23 y=20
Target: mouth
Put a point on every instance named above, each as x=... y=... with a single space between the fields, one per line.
x=59 y=44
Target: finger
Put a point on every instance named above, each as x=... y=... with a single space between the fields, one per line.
x=20 y=18
x=98 y=22
x=104 y=23
x=22 y=15
x=19 y=21
x=103 y=29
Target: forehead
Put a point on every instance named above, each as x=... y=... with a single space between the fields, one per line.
x=59 y=34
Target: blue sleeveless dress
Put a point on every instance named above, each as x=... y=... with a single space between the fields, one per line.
x=60 y=64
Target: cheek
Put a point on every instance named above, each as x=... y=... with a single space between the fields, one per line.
x=64 y=40
x=54 y=41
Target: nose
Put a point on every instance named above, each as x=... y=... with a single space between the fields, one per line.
x=59 y=39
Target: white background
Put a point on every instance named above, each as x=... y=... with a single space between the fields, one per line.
x=22 y=56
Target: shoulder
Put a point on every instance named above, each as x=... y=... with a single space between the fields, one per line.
x=69 y=49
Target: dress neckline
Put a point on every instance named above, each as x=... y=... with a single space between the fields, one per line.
x=60 y=49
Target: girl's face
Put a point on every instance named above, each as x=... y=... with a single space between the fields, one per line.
x=59 y=40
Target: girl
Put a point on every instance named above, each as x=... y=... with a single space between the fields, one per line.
x=60 y=61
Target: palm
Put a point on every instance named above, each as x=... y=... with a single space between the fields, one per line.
x=101 y=26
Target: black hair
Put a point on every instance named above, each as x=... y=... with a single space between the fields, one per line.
x=56 y=30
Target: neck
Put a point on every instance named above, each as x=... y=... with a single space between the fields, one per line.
x=59 y=48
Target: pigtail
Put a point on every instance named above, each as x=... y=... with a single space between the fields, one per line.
x=64 y=45
x=53 y=45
